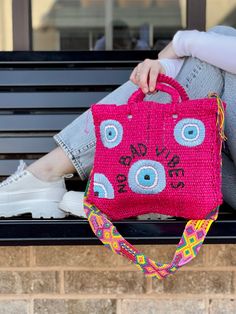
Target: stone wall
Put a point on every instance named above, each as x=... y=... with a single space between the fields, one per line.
x=92 y=280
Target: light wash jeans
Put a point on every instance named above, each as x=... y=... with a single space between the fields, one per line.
x=198 y=78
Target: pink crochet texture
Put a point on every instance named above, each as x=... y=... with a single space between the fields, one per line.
x=157 y=158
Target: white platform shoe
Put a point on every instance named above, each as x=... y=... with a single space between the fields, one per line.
x=23 y=193
x=72 y=203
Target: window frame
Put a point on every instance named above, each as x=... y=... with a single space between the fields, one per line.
x=22 y=21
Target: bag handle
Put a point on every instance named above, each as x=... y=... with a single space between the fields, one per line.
x=189 y=245
x=170 y=86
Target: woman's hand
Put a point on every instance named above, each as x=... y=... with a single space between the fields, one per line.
x=168 y=52
x=145 y=75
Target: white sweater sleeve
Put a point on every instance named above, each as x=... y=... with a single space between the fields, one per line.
x=216 y=49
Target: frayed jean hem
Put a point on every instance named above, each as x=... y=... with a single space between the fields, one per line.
x=73 y=159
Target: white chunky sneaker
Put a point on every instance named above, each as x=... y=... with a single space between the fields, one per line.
x=72 y=202
x=23 y=193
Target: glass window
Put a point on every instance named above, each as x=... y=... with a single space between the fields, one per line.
x=6 y=25
x=105 y=24
x=221 y=12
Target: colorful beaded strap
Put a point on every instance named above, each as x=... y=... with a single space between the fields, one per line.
x=189 y=245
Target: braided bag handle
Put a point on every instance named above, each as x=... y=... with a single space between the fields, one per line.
x=170 y=86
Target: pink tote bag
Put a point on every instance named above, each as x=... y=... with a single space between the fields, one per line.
x=157 y=158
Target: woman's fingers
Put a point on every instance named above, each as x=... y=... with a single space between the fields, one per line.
x=153 y=74
x=145 y=75
x=135 y=75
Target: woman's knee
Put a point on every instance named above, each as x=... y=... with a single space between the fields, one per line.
x=223 y=29
x=199 y=78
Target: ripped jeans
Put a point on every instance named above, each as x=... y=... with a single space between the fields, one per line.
x=198 y=78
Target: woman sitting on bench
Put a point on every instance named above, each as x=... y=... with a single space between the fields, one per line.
x=202 y=62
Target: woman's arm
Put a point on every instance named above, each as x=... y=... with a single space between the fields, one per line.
x=216 y=49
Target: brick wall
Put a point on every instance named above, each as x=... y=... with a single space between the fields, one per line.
x=80 y=279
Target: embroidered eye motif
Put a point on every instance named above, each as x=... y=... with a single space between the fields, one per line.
x=147 y=177
x=111 y=133
x=102 y=187
x=189 y=132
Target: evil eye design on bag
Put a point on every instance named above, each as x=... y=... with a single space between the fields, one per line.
x=189 y=132
x=111 y=133
x=102 y=187
x=147 y=177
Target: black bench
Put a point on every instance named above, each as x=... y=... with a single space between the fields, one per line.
x=42 y=92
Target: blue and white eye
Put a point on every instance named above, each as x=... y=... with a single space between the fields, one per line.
x=102 y=187
x=189 y=132
x=147 y=177
x=111 y=133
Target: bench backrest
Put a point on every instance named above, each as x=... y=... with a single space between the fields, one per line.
x=41 y=93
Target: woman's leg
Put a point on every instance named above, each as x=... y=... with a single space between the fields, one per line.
x=229 y=96
x=229 y=156
x=78 y=137
x=229 y=180
x=52 y=166
x=77 y=140
x=229 y=149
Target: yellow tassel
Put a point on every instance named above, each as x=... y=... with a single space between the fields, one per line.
x=220 y=116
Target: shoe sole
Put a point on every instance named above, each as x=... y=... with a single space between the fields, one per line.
x=38 y=209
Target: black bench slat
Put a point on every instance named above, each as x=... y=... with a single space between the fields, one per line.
x=95 y=77
x=7 y=167
x=26 y=145
x=49 y=99
x=44 y=122
x=78 y=231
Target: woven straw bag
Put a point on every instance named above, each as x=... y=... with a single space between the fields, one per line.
x=157 y=158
